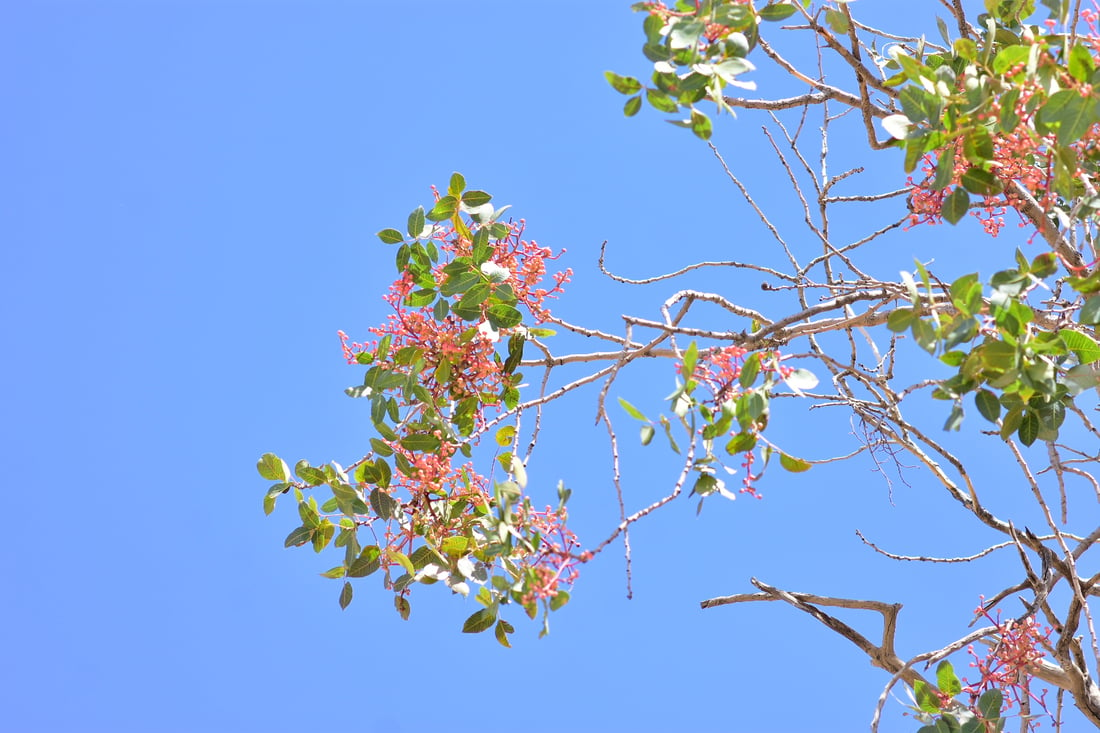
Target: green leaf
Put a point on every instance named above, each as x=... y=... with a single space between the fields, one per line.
x=777 y=11
x=1030 y=426
x=924 y=333
x=998 y=355
x=1010 y=11
x=736 y=16
x=945 y=167
x=420 y=298
x=269 y=505
x=424 y=556
x=632 y=410
x=516 y=343
x=445 y=208
x=480 y=621
x=308 y=474
x=667 y=425
x=1071 y=113
x=381 y=448
x=1080 y=377
x=345 y=595
x=510 y=395
x=504 y=316
x=1011 y=421
x=383 y=504
x=502 y=633
x=705 y=485
x=1052 y=415
x=323 y=535
x=280 y=488
x=988 y=405
x=1090 y=312
x=647 y=433
x=990 y=704
x=383 y=349
x=962 y=329
x=837 y=21
x=474 y=199
x=369 y=561
x=273 y=468
x=1081 y=64
x=469 y=307
x=751 y=406
x=900 y=320
x=632 y=106
x=416 y=222
x=946 y=679
x=700 y=125
x=559 y=600
x=623 y=84
x=691 y=357
x=298 y=537
x=661 y=101
x=1010 y=56
x=1044 y=265
x=740 y=443
x=308 y=513
x=336 y=572
x=420 y=443
x=955 y=205
x=954 y=358
x=367 y=472
x=401 y=559
x=926 y=699
x=981 y=182
x=401 y=604
x=978 y=147
x=792 y=464
x=1009 y=119
x=460 y=282
x=505 y=435
x=749 y=370
x=456 y=185
x=455 y=546
x=913 y=68
x=391 y=236
x=685 y=33
x=966 y=294
x=1084 y=348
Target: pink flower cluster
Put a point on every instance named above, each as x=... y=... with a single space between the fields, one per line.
x=456 y=361
x=1006 y=666
x=1021 y=156
x=459 y=358
x=554 y=563
x=720 y=369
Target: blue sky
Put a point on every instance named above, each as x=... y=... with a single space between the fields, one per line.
x=190 y=194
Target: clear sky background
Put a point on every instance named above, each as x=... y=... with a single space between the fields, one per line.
x=188 y=198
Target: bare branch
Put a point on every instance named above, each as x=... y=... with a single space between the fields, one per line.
x=924 y=558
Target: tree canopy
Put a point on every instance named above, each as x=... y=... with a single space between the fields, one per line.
x=992 y=117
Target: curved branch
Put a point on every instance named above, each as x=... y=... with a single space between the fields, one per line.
x=882 y=655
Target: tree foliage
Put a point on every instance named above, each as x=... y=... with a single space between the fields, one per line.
x=994 y=117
